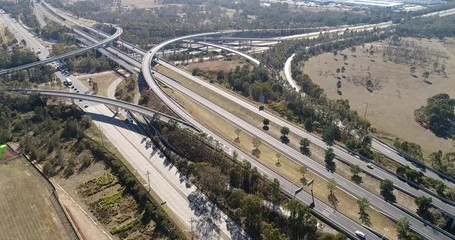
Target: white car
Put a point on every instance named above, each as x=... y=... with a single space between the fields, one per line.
x=360 y=234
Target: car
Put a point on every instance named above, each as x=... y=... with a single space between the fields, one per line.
x=86 y=106
x=370 y=166
x=80 y=100
x=360 y=234
x=77 y=91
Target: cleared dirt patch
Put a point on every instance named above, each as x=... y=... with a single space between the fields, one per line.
x=103 y=79
x=26 y=205
x=215 y=66
x=390 y=107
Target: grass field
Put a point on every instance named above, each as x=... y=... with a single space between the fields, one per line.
x=104 y=80
x=140 y=3
x=288 y=169
x=25 y=204
x=391 y=106
x=215 y=66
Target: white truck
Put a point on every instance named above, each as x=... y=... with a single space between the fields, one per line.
x=68 y=82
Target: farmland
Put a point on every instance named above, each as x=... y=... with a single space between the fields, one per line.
x=27 y=206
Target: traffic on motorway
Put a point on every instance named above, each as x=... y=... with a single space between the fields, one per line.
x=341 y=222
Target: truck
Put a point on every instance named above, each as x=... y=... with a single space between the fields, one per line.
x=68 y=82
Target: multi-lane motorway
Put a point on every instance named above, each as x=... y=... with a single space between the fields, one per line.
x=379 y=203
x=347 y=185
x=424 y=231
x=22 y=34
x=66 y=55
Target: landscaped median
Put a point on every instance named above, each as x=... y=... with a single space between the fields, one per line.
x=287 y=168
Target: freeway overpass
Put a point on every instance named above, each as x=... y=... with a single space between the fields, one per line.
x=252 y=60
x=147 y=112
x=66 y=55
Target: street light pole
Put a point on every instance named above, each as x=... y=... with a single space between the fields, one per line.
x=312 y=195
x=148 y=179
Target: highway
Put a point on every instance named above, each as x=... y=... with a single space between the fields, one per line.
x=22 y=34
x=348 y=226
x=176 y=192
x=113 y=126
x=382 y=148
x=288 y=73
x=347 y=185
x=168 y=42
x=393 y=154
x=252 y=60
x=147 y=112
x=66 y=55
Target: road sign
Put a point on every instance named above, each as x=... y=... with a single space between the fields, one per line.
x=3 y=148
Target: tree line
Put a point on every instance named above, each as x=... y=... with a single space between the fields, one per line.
x=148 y=26
x=438 y=115
x=49 y=133
x=21 y=10
x=238 y=188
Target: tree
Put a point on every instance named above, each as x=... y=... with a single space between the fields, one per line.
x=330 y=134
x=355 y=170
x=438 y=115
x=237 y=132
x=303 y=171
x=425 y=75
x=266 y=123
x=270 y=232
x=332 y=185
x=436 y=158
x=339 y=84
x=450 y=194
x=364 y=217
x=275 y=192
x=413 y=70
x=252 y=211
x=413 y=175
x=423 y=204
x=304 y=146
x=256 y=144
x=387 y=187
x=335 y=53
x=212 y=179
x=345 y=58
x=284 y=132
x=353 y=50
x=278 y=156
x=220 y=75
x=328 y=158
x=440 y=188
x=403 y=228
x=301 y=224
